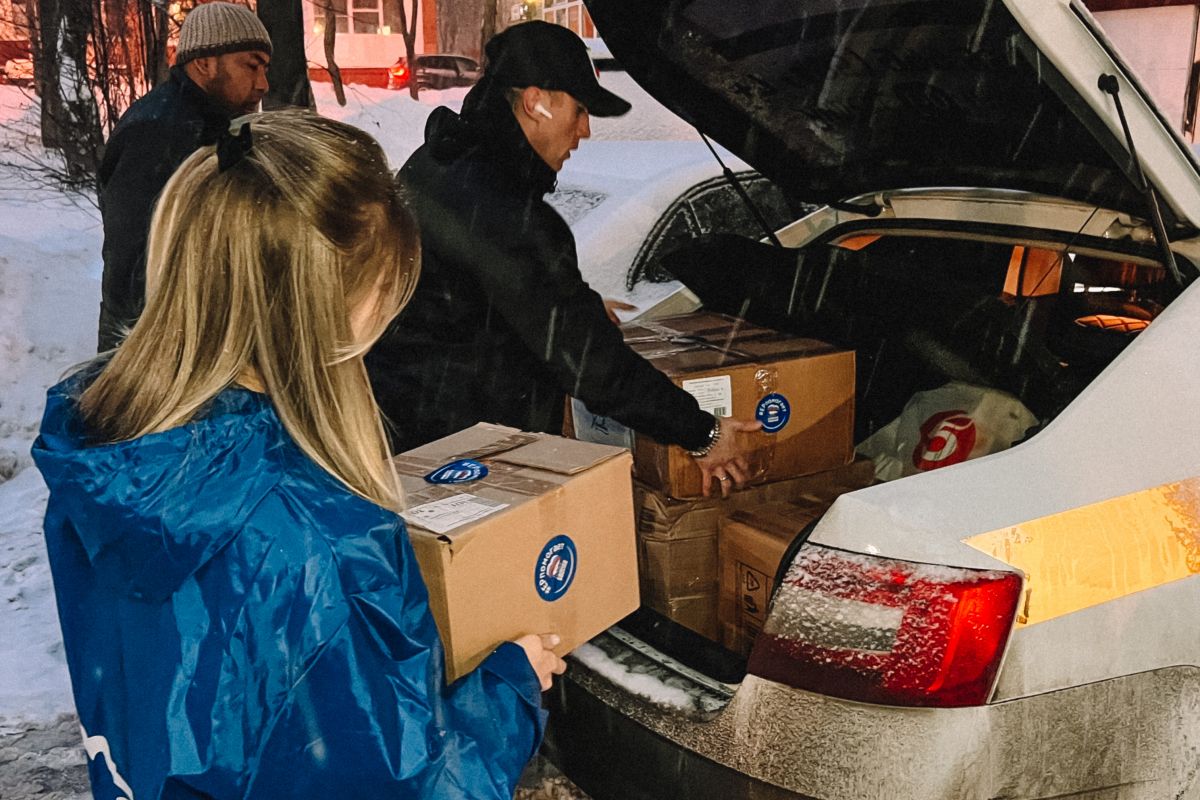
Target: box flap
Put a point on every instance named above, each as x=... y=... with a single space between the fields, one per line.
x=479 y=441
x=561 y=456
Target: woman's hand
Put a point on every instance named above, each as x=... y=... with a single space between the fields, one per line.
x=541 y=657
x=726 y=462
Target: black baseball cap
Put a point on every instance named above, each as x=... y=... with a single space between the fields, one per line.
x=552 y=57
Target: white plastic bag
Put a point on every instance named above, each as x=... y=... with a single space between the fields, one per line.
x=945 y=426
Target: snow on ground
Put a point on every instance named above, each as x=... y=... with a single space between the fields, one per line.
x=49 y=297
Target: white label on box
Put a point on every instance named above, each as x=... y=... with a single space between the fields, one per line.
x=591 y=427
x=443 y=516
x=715 y=395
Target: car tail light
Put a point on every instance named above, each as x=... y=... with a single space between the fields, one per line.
x=881 y=630
x=399 y=71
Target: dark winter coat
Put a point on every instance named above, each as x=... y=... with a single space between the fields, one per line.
x=153 y=138
x=238 y=624
x=502 y=325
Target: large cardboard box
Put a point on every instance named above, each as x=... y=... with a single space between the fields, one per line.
x=543 y=543
x=751 y=543
x=677 y=539
x=801 y=389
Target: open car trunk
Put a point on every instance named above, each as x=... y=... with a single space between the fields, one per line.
x=1033 y=318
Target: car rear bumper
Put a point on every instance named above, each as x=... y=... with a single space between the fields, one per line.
x=1132 y=737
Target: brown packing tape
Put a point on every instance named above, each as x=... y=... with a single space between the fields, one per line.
x=697 y=613
x=677 y=567
x=511 y=442
x=767 y=380
x=502 y=476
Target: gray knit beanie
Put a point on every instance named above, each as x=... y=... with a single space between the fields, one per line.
x=211 y=29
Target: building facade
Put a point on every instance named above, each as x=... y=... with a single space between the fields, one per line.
x=368 y=32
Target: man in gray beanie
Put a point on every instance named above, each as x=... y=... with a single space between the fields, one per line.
x=220 y=73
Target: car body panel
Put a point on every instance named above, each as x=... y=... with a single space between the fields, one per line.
x=1052 y=745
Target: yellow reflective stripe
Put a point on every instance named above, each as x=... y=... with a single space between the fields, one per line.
x=1090 y=555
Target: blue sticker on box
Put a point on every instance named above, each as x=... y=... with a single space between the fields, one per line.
x=462 y=471
x=773 y=412
x=555 y=568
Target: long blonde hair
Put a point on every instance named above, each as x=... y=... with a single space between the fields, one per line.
x=255 y=269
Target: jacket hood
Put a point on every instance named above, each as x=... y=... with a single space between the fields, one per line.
x=487 y=128
x=151 y=511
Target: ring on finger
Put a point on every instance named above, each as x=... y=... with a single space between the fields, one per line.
x=722 y=477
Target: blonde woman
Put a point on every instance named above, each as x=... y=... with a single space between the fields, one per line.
x=241 y=608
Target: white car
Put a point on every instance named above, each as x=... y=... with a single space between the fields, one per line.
x=1020 y=625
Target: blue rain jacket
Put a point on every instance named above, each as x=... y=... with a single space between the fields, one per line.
x=238 y=624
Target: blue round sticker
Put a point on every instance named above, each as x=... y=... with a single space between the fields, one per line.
x=773 y=412
x=462 y=471
x=555 y=568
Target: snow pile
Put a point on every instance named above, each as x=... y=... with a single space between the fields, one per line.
x=647 y=680
x=49 y=304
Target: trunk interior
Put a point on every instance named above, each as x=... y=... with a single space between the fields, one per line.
x=1037 y=319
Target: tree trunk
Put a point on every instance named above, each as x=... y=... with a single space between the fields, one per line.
x=488 y=28
x=408 y=31
x=154 y=37
x=459 y=23
x=45 y=61
x=70 y=117
x=335 y=74
x=288 y=73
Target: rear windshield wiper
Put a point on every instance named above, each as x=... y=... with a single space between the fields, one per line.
x=1109 y=85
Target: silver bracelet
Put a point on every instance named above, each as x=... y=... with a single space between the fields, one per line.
x=714 y=436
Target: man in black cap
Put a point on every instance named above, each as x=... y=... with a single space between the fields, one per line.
x=220 y=73
x=502 y=325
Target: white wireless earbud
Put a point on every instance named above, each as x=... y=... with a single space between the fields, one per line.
x=545 y=112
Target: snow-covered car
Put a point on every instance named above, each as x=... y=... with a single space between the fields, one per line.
x=1018 y=625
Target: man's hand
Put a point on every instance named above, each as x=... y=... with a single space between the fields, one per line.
x=726 y=462
x=611 y=307
x=541 y=657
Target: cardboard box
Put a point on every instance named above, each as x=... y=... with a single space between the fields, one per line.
x=677 y=539
x=801 y=389
x=543 y=543
x=750 y=545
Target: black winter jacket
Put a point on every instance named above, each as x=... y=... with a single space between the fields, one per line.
x=502 y=325
x=153 y=138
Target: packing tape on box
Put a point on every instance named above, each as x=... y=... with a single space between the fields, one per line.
x=506 y=477
x=767 y=381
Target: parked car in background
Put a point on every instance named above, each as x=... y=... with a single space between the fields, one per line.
x=434 y=71
x=1017 y=625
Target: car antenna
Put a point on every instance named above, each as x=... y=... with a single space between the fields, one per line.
x=1109 y=85
x=737 y=187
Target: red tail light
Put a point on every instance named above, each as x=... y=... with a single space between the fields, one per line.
x=399 y=71
x=881 y=630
